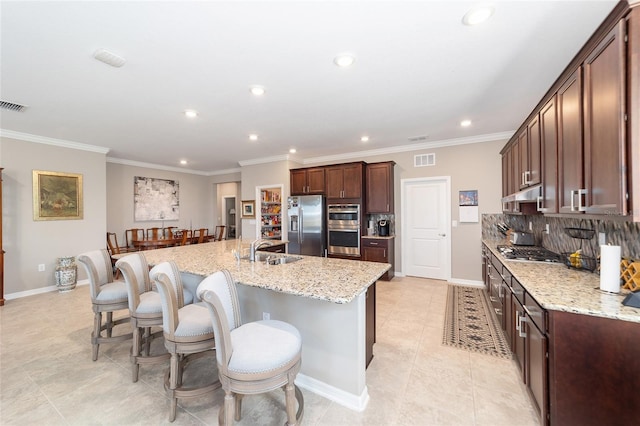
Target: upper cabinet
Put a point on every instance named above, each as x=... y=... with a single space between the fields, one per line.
x=605 y=179
x=307 y=181
x=570 y=143
x=579 y=141
x=380 y=187
x=548 y=202
x=345 y=181
x=592 y=137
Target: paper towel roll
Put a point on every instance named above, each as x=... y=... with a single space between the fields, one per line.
x=610 y=268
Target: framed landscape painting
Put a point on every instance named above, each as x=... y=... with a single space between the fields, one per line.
x=57 y=196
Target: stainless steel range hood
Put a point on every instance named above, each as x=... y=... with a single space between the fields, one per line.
x=526 y=195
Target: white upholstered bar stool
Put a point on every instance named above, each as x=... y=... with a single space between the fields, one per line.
x=188 y=333
x=107 y=296
x=145 y=310
x=252 y=358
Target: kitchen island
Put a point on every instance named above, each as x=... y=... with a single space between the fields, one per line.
x=324 y=298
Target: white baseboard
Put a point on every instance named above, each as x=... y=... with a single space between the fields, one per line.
x=467 y=283
x=346 y=399
x=40 y=290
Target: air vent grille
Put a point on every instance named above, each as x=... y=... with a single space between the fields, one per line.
x=418 y=138
x=11 y=106
x=424 y=160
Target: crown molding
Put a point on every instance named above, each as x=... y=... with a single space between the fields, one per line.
x=52 y=141
x=155 y=166
x=264 y=160
x=412 y=147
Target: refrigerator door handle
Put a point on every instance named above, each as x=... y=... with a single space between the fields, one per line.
x=301 y=226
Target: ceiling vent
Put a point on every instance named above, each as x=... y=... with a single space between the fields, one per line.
x=11 y=106
x=423 y=160
x=418 y=138
x=109 y=58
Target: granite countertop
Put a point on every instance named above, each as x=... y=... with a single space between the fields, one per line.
x=557 y=287
x=378 y=237
x=333 y=280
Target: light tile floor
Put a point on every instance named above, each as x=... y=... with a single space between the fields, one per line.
x=47 y=376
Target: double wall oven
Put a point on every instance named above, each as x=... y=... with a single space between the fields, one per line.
x=343 y=229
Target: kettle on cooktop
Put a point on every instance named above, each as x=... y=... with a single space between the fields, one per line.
x=383 y=228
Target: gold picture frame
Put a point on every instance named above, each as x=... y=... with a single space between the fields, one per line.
x=248 y=209
x=57 y=196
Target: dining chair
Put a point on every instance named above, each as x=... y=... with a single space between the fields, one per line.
x=145 y=311
x=107 y=296
x=201 y=235
x=169 y=232
x=114 y=248
x=188 y=334
x=185 y=237
x=219 y=233
x=252 y=358
x=154 y=233
x=133 y=234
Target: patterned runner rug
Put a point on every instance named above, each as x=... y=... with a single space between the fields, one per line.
x=470 y=325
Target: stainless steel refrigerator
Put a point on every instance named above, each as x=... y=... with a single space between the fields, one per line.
x=306 y=217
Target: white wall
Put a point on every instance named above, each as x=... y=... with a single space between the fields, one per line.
x=471 y=166
x=196 y=199
x=29 y=243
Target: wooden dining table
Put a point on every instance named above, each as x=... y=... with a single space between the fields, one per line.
x=155 y=243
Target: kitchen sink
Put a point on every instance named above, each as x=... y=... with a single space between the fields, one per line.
x=275 y=259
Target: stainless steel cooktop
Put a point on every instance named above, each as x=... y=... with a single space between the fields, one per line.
x=529 y=253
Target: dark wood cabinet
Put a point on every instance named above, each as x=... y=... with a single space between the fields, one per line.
x=594 y=365
x=533 y=326
x=604 y=100
x=379 y=184
x=379 y=250
x=370 y=327
x=532 y=175
x=522 y=162
x=345 y=181
x=549 y=146
x=307 y=181
x=570 y=144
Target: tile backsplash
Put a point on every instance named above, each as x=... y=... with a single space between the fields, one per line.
x=619 y=233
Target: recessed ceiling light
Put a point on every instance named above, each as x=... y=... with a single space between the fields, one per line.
x=465 y=123
x=257 y=90
x=344 y=60
x=477 y=15
x=365 y=139
x=183 y=162
x=253 y=137
x=292 y=151
x=191 y=113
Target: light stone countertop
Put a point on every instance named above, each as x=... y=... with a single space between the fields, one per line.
x=333 y=280
x=557 y=287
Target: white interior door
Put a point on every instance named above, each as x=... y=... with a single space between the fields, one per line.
x=426 y=209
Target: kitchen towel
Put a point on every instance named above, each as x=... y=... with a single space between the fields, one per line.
x=610 y=268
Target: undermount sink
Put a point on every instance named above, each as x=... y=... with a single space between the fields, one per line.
x=275 y=259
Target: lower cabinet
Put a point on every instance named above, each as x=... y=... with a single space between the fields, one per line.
x=594 y=370
x=379 y=250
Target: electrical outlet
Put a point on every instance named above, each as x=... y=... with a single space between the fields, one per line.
x=41 y=267
x=266 y=316
x=602 y=238
x=546 y=228
x=530 y=226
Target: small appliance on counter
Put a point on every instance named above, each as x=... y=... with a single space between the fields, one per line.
x=522 y=238
x=383 y=228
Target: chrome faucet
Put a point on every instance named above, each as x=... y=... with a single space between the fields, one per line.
x=255 y=245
